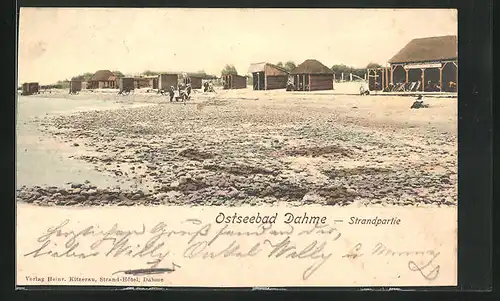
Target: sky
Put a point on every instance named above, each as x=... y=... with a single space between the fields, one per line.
x=59 y=43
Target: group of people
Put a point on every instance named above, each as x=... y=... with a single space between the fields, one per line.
x=184 y=93
x=432 y=86
x=208 y=87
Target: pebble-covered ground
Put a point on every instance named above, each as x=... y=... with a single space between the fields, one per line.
x=232 y=152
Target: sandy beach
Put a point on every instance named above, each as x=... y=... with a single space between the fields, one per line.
x=235 y=148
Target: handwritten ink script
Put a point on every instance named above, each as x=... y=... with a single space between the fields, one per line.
x=163 y=249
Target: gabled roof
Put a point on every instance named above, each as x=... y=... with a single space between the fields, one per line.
x=103 y=75
x=260 y=67
x=428 y=49
x=256 y=67
x=311 y=66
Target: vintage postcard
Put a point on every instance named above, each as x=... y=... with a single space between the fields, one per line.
x=236 y=147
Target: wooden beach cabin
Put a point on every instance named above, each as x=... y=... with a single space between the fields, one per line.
x=30 y=88
x=195 y=79
x=75 y=86
x=103 y=79
x=141 y=82
x=268 y=76
x=126 y=83
x=166 y=80
x=423 y=65
x=233 y=81
x=312 y=75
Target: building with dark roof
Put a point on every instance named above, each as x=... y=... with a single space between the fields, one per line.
x=234 y=81
x=312 y=75
x=102 y=79
x=427 y=64
x=430 y=49
x=268 y=76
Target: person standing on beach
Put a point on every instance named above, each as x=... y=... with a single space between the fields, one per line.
x=211 y=87
x=171 y=93
x=183 y=93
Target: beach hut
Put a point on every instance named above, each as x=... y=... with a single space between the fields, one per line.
x=233 y=81
x=166 y=80
x=195 y=79
x=142 y=82
x=102 y=79
x=75 y=86
x=30 y=88
x=427 y=64
x=312 y=75
x=126 y=83
x=268 y=76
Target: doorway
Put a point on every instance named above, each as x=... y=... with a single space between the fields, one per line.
x=258 y=81
x=450 y=77
x=431 y=77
